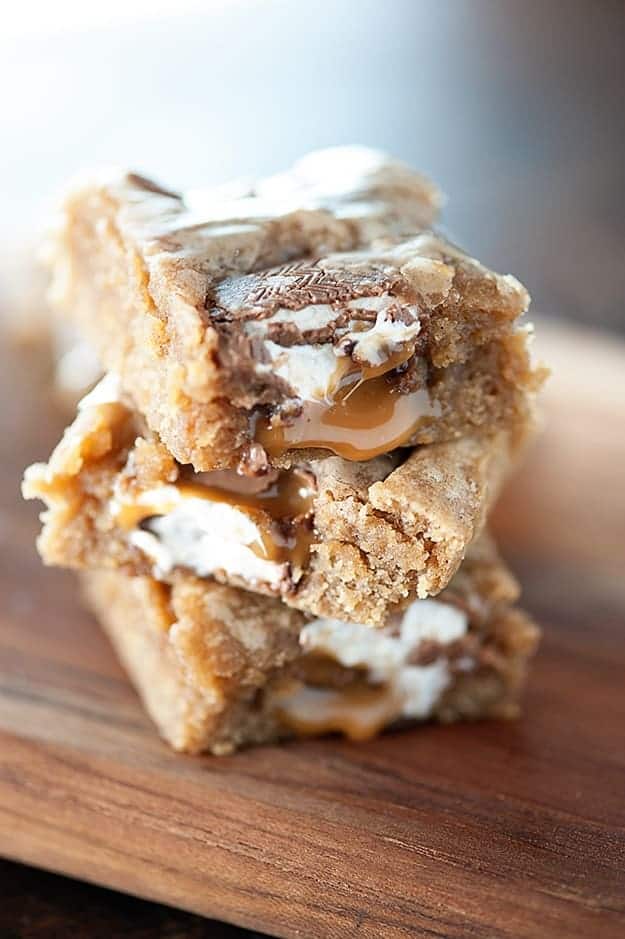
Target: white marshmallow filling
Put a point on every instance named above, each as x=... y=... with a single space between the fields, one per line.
x=400 y=689
x=313 y=370
x=208 y=537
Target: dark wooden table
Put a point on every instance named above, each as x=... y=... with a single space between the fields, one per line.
x=533 y=161
x=38 y=904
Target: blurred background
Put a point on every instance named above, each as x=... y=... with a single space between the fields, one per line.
x=515 y=107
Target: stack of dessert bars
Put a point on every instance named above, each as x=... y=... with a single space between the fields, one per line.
x=277 y=493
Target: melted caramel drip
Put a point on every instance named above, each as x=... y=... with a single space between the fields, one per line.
x=358 y=711
x=362 y=373
x=282 y=511
x=366 y=417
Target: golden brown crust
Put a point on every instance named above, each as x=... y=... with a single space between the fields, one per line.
x=206 y=658
x=197 y=676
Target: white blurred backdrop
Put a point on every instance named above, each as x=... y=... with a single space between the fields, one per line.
x=513 y=106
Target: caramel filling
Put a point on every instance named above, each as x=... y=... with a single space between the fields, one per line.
x=358 y=711
x=281 y=511
x=365 y=417
x=357 y=680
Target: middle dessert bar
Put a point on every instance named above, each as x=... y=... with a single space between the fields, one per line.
x=330 y=537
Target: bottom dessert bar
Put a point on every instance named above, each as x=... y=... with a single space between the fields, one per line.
x=219 y=668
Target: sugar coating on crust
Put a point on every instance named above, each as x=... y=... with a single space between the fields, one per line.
x=385 y=531
x=211 y=662
x=213 y=307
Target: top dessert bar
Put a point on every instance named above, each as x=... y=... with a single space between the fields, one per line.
x=313 y=310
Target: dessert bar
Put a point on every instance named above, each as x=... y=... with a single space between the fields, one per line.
x=329 y=536
x=218 y=668
x=311 y=310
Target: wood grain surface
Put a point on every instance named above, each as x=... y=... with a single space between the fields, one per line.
x=508 y=830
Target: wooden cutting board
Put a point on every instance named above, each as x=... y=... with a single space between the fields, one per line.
x=490 y=830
